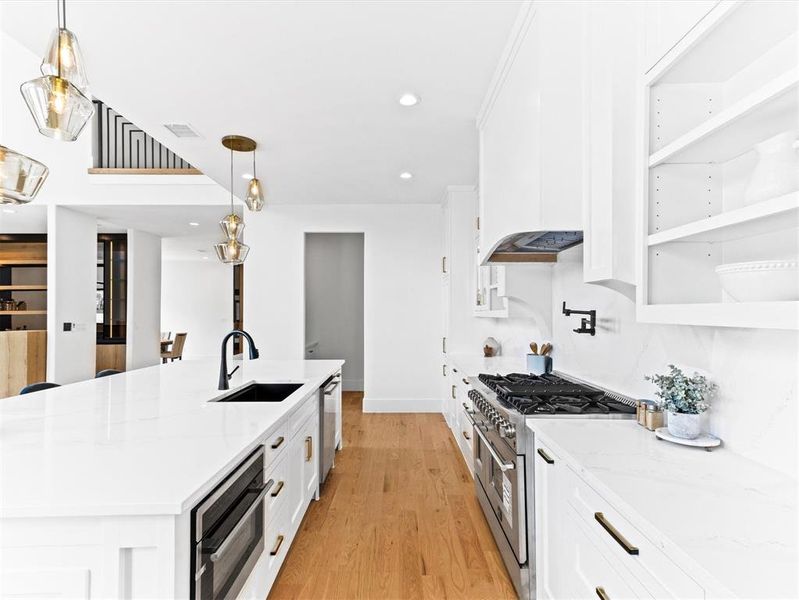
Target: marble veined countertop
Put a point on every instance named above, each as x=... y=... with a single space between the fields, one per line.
x=721 y=517
x=143 y=442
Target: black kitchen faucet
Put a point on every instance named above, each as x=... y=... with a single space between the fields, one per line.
x=224 y=376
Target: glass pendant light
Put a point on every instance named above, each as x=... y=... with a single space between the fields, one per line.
x=57 y=101
x=255 y=194
x=21 y=177
x=231 y=251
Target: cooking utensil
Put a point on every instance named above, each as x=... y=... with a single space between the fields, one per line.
x=546 y=349
x=534 y=347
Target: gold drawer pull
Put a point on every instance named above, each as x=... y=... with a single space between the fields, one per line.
x=277 y=443
x=600 y=591
x=308 y=448
x=278 y=489
x=278 y=544
x=614 y=533
x=549 y=460
x=466 y=435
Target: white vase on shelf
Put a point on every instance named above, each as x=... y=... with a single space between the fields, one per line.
x=777 y=169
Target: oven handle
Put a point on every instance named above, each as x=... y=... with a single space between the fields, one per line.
x=232 y=535
x=503 y=466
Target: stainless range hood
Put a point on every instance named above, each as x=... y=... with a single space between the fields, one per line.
x=534 y=246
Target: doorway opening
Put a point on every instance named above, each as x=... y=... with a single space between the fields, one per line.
x=334 y=302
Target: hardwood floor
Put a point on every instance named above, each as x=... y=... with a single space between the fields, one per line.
x=398 y=518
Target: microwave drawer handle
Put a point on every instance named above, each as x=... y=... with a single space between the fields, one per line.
x=233 y=532
x=503 y=466
x=614 y=533
x=331 y=388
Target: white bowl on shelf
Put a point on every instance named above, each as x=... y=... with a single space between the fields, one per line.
x=760 y=280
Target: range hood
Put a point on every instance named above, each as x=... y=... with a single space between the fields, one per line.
x=534 y=246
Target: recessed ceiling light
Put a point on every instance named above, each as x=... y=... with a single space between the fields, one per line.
x=406 y=175
x=9 y=210
x=205 y=258
x=247 y=176
x=194 y=224
x=409 y=99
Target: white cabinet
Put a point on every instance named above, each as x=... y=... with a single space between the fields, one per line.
x=530 y=129
x=549 y=524
x=729 y=84
x=587 y=549
x=303 y=457
x=612 y=40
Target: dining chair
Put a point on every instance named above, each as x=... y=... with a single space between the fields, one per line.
x=176 y=352
x=106 y=373
x=36 y=387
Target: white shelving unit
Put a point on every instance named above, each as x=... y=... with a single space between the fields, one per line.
x=729 y=84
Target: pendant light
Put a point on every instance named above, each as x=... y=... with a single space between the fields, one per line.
x=255 y=194
x=58 y=101
x=21 y=177
x=231 y=250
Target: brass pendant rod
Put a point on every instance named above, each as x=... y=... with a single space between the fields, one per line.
x=231 y=181
x=254 y=175
x=62 y=14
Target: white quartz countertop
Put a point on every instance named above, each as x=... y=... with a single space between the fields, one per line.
x=472 y=365
x=143 y=442
x=719 y=516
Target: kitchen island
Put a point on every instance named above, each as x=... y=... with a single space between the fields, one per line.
x=98 y=478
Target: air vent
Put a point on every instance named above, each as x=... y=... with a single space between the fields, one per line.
x=182 y=130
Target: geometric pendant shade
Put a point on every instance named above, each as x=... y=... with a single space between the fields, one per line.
x=21 y=177
x=59 y=109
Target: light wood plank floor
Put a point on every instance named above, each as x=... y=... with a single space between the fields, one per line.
x=398 y=518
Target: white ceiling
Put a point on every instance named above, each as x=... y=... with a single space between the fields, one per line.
x=314 y=83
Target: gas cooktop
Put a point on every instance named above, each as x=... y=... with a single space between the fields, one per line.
x=551 y=395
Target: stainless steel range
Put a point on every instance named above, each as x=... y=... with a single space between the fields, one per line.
x=503 y=465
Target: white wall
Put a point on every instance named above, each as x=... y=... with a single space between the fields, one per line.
x=755 y=412
x=334 y=301
x=402 y=308
x=144 y=300
x=71 y=295
x=197 y=298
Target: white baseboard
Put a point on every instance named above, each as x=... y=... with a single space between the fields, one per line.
x=401 y=405
x=351 y=385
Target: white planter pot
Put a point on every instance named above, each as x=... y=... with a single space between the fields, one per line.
x=777 y=169
x=684 y=426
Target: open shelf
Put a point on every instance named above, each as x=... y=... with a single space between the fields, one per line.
x=22 y=313
x=763 y=217
x=23 y=288
x=765 y=315
x=23 y=262
x=768 y=111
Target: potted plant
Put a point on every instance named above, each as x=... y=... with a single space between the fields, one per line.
x=684 y=399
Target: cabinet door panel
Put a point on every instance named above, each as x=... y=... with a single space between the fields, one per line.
x=550 y=553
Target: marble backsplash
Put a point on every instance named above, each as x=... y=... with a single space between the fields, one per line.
x=755 y=409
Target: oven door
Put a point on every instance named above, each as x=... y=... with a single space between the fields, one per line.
x=501 y=473
x=226 y=556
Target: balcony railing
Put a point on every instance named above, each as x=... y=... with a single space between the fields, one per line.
x=122 y=147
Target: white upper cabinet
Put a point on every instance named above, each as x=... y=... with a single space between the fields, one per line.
x=718 y=218
x=611 y=43
x=530 y=128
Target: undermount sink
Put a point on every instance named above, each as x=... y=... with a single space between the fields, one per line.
x=261 y=392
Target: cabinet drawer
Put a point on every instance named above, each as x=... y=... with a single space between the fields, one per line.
x=594 y=573
x=274 y=444
x=298 y=418
x=277 y=539
x=276 y=498
x=627 y=546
